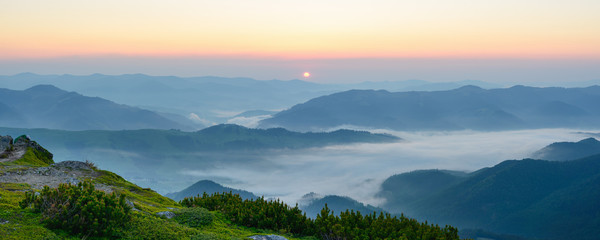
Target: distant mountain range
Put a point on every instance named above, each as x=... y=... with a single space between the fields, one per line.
x=337 y=204
x=209 y=187
x=211 y=99
x=530 y=198
x=563 y=151
x=468 y=107
x=45 y=106
x=223 y=137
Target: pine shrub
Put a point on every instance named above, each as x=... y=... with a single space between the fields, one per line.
x=80 y=209
x=194 y=217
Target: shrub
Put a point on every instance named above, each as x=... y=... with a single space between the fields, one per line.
x=80 y=209
x=193 y=217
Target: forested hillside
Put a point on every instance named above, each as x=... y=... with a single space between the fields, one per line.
x=531 y=198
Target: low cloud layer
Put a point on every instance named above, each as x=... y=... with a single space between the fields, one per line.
x=358 y=170
x=349 y=170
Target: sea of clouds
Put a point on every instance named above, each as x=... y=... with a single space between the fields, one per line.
x=357 y=170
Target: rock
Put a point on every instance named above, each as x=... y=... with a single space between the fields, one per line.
x=5 y=142
x=73 y=165
x=130 y=203
x=267 y=237
x=73 y=181
x=23 y=142
x=167 y=214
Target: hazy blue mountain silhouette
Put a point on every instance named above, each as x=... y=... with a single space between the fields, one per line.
x=46 y=106
x=563 y=151
x=337 y=204
x=223 y=137
x=209 y=187
x=214 y=99
x=468 y=107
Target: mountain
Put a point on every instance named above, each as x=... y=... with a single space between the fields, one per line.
x=402 y=190
x=337 y=204
x=209 y=187
x=563 y=151
x=212 y=99
x=529 y=198
x=468 y=107
x=45 y=106
x=212 y=139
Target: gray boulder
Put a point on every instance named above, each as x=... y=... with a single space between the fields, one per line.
x=5 y=143
x=267 y=237
x=167 y=214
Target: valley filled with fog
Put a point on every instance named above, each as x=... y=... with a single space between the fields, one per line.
x=354 y=170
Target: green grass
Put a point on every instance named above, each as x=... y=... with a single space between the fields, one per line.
x=145 y=199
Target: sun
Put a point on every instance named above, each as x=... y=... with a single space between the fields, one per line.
x=306 y=74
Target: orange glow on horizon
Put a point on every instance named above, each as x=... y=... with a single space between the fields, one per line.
x=321 y=29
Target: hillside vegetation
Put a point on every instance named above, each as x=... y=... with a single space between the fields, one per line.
x=530 y=198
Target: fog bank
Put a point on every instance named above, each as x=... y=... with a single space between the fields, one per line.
x=358 y=170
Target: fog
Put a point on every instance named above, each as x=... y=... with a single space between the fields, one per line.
x=358 y=170
x=355 y=170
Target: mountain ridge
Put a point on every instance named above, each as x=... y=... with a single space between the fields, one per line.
x=520 y=197
x=564 y=151
x=46 y=106
x=209 y=187
x=468 y=107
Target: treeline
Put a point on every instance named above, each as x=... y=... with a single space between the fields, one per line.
x=278 y=216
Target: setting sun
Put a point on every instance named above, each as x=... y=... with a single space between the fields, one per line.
x=306 y=74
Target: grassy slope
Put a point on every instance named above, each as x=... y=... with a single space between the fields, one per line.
x=17 y=223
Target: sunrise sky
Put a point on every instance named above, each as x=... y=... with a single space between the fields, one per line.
x=245 y=38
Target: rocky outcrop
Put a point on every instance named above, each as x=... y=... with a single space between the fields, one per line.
x=166 y=214
x=63 y=172
x=267 y=237
x=24 y=142
x=5 y=143
x=11 y=150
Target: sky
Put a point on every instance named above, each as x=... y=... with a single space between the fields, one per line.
x=337 y=41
